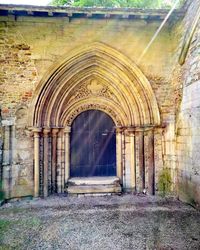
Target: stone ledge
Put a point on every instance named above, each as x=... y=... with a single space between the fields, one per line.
x=88 y=12
x=93 y=189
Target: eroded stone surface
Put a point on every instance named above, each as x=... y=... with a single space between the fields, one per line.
x=31 y=45
x=188 y=119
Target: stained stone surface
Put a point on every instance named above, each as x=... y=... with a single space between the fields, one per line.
x=188 y=122
x=32 y=45
x=114 y=222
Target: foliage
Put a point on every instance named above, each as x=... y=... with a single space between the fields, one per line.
x=4 y=227
x=117 y=3
x=165 y=182
x=4 y=224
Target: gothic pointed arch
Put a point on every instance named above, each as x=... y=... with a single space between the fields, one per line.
x=95 y=76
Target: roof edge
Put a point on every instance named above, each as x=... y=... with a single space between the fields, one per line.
x=88 y=12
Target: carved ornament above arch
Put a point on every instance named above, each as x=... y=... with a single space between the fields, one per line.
x=95 y=77
x=91 y=88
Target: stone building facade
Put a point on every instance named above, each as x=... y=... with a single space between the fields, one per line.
x=57 y=63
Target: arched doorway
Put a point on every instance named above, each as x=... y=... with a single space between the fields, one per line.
x=93 y=145
x=94 y=77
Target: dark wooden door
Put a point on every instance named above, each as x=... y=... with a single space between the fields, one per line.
x=93 y=145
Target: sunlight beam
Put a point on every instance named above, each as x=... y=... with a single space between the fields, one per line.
x=157 y=32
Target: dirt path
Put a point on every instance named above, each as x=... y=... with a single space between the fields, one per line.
x=126 y=222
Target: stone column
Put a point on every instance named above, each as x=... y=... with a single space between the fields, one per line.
x=7 y=145
x=140 y=166
x=67 y=131
x=119 y=153
x=132 y=156
x=6 y=170
x=59 y=162
x=63 y=164
x=36 y=134
x=46 y=132
x=158 y=153
x=54 y=158
x=151 y=167
x=129 y=177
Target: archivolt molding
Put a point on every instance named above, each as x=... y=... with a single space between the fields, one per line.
x=94 y=106
x=95 y=77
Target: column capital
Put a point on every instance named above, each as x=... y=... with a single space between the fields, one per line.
x=46 y=131
x=119 y=129
x=36 y=132
x=54 y=131
x=144 y=128
x=131 y=130
x=36 y=129
x=67 y=129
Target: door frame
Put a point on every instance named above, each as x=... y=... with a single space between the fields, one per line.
x=105 y=123
x=119 y=161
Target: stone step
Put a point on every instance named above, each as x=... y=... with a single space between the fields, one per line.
x=82 y=189
x=94 y=185
x=111 y=180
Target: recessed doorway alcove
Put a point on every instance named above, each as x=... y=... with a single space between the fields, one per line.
x=93 y=154
x=94 y=115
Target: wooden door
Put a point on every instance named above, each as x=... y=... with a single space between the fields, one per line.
x=93 y=145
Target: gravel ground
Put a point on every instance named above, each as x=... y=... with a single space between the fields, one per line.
x=113 y=222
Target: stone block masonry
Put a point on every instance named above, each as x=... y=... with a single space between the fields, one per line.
x=188 y=118
x=32 y=45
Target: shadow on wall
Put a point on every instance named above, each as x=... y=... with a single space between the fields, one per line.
x=189 y=191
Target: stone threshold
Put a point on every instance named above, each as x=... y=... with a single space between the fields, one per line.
x=94 y=185
x=110 y=180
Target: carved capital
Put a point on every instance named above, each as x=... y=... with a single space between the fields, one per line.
x=36 y=129
x=131 y=130
x=46 y=131
x=36 y=132
x=67 y=129
x=119 y=129
x=54 y=131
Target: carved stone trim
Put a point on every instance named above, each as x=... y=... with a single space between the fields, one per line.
x=92 y=88
x=86 y=107
x=67 y=130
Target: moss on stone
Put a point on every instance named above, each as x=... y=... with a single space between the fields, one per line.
x=165 y=182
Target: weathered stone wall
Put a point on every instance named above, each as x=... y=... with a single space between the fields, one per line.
x=31 y=45
x=188 y=119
